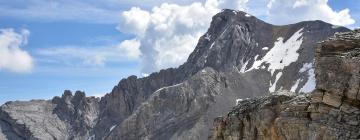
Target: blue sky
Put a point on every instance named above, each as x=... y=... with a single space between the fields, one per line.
x=91 y=45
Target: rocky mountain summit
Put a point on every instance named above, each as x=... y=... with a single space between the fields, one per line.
x=238 y=57
x=331 y=112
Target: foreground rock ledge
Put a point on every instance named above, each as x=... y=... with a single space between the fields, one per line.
x=331 y=112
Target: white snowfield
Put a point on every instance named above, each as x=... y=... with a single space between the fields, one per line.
x=310 y=83
x=112 y=128
x=172 y=85
x=295 y=86
x=265 y=48
x=238 y=101
x=282 y=55
x=273 y=85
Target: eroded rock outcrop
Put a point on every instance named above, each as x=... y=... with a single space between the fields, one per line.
x=331 y=112
x=66 y=117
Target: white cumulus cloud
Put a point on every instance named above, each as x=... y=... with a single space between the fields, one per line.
x=291 y=11
x=12 y=57
x=134 y=21
x=130 y=48
x=233 y=4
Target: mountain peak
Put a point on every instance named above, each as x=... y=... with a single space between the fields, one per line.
x=237 y=13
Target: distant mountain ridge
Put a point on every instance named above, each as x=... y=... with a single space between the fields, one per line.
x=239 y=56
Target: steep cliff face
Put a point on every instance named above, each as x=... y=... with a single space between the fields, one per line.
x=331 y=112
x=238 y=57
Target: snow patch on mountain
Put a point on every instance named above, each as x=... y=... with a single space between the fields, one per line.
x=243 y=67
x=212 y=45
x=265 y=48
x=295 y=86
x=282 y=54
x=306 y=66
x=172 y=85
x=208 y=37
x=238 y=101
x=310 y=84
x=273 y=86
x=112 y=128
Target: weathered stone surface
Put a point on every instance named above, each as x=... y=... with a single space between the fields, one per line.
x=331 y=112
x=68 y=117
x=338 y=65
x=33 y=120
x=348 y=107
x=285 y=119
x=317 y=96
x=331 y=99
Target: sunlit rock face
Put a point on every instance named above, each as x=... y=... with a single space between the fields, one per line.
x=239 y=57
x=330 y=112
